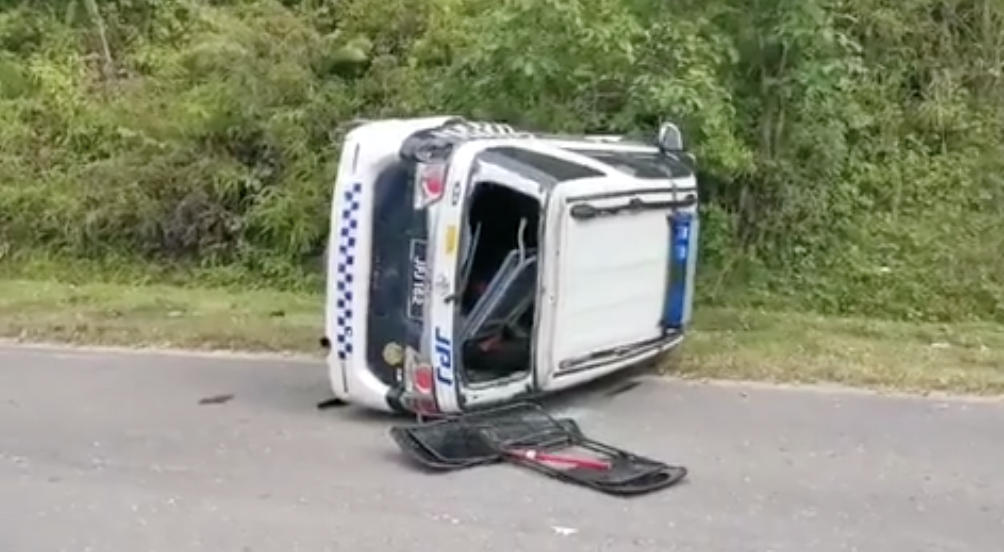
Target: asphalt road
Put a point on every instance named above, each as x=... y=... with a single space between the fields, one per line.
x=113 y=452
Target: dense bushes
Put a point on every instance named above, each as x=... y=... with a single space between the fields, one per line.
x=851 y=148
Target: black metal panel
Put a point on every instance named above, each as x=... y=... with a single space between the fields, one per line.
x=398 y=259
x=640 y=164
x=540 y=167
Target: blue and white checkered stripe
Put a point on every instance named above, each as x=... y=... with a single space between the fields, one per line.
x=348 y=232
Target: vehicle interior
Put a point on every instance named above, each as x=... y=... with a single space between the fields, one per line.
x=499 y=274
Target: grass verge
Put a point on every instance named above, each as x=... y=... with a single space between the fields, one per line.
x=159 y=316
x=725 y=344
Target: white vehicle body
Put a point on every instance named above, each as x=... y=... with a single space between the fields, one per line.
x=584 y=250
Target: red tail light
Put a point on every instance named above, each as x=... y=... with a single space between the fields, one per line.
x=430 y=180
x=419 y=386
x=422 y=398
x=424 y=379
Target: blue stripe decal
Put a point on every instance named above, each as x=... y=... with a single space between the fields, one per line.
x=345 y=252
x=679 y=253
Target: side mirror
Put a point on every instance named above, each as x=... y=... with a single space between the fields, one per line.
x=670 y=138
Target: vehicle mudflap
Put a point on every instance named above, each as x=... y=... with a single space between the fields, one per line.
x=525 y=435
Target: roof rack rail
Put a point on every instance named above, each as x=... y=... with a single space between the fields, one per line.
x=668 y=139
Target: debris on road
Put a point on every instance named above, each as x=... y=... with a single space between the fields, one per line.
x=216 y=399
x=525 y=435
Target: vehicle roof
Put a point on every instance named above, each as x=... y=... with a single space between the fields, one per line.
x=584 y=156
x=637 y=159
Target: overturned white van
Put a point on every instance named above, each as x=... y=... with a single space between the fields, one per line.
x=472 y=264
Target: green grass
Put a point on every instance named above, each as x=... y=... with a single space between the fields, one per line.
x=725 y=344
x=800 y=348
x=159 y=316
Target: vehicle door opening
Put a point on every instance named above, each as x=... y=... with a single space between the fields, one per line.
x=499 y=284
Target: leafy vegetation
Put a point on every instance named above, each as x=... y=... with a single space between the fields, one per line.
x=851 y=149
